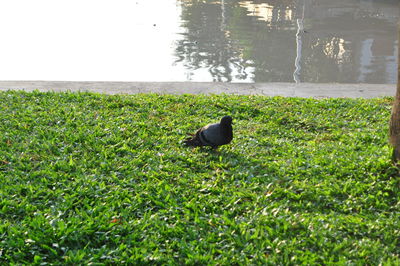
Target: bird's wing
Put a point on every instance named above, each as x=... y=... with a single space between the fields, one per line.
x=211 y=135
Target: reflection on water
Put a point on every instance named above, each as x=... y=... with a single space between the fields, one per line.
x=346 y=41
x=200 y=40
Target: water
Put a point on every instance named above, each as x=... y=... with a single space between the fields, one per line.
x=344 y=41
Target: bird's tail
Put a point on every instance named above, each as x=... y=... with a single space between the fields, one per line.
x=193 y=141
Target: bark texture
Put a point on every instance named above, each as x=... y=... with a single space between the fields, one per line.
x=394 y=129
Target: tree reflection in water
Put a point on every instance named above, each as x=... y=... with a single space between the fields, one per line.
x=345 y=41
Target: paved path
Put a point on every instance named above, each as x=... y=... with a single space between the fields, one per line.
x=307 y=90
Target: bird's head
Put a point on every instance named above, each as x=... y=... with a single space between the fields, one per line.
x=226 y=120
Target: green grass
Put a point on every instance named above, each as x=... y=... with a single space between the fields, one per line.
x=88 y=178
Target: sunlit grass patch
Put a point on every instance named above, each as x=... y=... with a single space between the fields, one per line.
x=88 y=178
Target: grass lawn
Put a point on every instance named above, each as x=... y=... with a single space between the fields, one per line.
x=88 y=178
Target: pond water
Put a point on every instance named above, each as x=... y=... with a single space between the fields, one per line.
x=344 y=41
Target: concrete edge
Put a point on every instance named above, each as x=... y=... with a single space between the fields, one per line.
x=304 y=90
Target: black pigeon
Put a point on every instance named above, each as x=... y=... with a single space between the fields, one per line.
x=213 y=135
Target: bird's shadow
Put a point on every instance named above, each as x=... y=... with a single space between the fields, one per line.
x=224 y=155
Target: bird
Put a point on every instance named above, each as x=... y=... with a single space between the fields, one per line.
x=213 y=135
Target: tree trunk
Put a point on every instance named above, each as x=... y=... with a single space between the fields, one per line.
x=394 y=130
